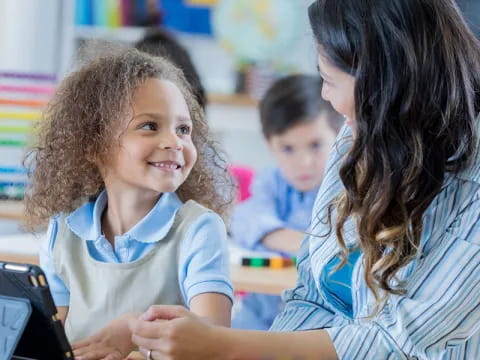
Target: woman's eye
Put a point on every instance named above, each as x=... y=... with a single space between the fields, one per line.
x=287 y=149
x=326 y=82
x=315 y=145
x=149 y=126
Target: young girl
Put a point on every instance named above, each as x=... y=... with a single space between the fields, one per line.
x=123 y=162
x=391 y=269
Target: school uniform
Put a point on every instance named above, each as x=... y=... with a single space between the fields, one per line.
x=176 y=252
x=274 y=205
x=437 y=318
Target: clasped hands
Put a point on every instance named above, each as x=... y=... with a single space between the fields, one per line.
x=170 y=332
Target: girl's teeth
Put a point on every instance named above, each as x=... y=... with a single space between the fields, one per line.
x=171 y=166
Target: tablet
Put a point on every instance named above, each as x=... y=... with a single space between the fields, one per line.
x=43 y=335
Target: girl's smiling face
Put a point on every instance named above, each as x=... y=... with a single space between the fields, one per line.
x=155 y=152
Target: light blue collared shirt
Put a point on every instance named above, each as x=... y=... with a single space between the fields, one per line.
x=437 y=318
x=203 y=265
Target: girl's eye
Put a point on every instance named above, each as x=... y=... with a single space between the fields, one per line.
x=315 y=145
x=287 y=149
x=184 y=130
x=149 y=126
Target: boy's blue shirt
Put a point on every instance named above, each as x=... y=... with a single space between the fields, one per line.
x=203 y=262
x=274 y=204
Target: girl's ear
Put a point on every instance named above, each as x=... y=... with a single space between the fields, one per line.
x=97 y=161
x=102 y=169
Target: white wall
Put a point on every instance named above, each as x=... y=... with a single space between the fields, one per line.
x=239 y=132
x=32 y=34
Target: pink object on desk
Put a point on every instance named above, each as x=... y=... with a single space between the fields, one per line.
x=244 y=176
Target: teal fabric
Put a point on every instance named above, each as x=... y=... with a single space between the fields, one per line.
x=337 y=285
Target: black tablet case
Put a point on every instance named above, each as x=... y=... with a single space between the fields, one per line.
x=43 y=336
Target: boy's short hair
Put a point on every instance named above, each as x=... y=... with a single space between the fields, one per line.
x=292 y=100
x=158 y=42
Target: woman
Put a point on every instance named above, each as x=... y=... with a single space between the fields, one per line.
x=391 y=269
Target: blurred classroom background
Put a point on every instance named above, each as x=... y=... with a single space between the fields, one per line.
x=239 y=48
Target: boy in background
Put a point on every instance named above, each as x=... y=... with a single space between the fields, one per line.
x=300 y=128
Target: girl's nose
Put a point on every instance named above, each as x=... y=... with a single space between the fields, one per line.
x=171 y=141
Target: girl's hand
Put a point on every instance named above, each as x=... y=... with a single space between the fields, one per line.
x=96 y=350
x=174 y=333
x=113 y=342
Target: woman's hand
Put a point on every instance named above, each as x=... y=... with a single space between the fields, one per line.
x=173 y=333
x=113 y=342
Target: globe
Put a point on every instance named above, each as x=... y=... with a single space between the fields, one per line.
x=257 y=30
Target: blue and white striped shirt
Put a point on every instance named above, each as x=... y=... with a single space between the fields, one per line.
x=437 y=318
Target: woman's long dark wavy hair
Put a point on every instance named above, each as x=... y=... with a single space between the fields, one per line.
x=417 y=99
x=79 y=127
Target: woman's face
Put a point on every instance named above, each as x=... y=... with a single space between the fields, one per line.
x=338 y=88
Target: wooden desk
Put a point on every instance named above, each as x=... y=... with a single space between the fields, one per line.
x=263 y=280
x=11 y=210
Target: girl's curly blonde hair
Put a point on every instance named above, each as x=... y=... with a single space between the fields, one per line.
x=77 y=129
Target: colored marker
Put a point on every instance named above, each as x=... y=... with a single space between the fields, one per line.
x=273 y=262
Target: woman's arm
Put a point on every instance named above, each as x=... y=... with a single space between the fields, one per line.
x=182 y=335
x=253 y=345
